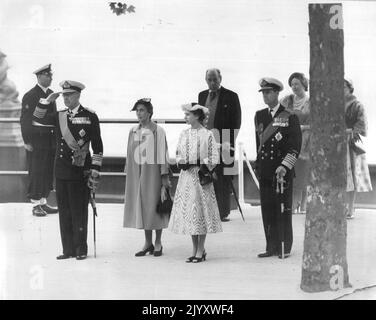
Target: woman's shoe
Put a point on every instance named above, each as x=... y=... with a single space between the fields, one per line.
x=158 y=253
x=143 y=252
x=190 y=259
x=197 y=260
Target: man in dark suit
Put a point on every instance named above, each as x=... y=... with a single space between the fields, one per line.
x=278 y=141
x=225 y=120
x=39 y=140
x=76 y=170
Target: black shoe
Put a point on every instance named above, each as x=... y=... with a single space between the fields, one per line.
x=286 y=255
x=81 y=257
x=265 y=254
x=158 y=253
x=49 y=209
x=64 y=256
x=197 y=260
x=225 y=219
x=38 y=211
x=190 y=259
x=143 y=252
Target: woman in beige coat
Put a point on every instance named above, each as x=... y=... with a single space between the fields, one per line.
x=147 y=178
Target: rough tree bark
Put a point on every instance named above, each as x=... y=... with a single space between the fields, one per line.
x=324 y=259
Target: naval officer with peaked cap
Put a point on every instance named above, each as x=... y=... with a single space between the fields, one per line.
x=76 y=170
x=39 y=141
x=278 y=141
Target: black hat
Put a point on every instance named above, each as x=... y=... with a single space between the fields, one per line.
x=146 y=102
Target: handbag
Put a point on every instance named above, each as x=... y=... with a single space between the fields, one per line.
x=205 y=175
x=165 y=207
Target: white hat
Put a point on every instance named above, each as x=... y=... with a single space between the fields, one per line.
x=194 y=106
x=71 y=86
x=270 y=84
x=44 y=69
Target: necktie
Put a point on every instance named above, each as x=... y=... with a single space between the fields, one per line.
x=212 y=95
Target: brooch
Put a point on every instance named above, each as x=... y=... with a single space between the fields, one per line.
x=82 y=132
x=278 y=136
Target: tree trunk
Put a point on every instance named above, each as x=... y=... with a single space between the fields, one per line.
x=324 y=259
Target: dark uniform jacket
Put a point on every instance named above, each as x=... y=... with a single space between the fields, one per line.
x=41 y=137
x=228 y=114
x=283 y=146
x=84 y=127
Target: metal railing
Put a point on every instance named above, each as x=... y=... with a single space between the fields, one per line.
x=242 y=156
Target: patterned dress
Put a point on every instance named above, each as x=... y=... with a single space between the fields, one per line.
x=358 y=178
x=195 y=209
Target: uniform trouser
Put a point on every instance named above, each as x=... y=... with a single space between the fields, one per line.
x=277 y=225
x=222 y=190
x=40 y=165
x=72 y=200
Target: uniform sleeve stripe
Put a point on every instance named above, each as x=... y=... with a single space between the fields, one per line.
x=97 y=159
x=289 y=161
x=39 y=113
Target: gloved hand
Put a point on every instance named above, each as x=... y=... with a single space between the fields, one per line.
x=52 y=97
x=93 y=180
x=280 y=173
x=28 y=147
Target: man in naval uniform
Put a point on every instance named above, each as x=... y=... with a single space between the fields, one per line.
x=76 y=170
x=39 y=142
x=278 y=141
x=224 y=119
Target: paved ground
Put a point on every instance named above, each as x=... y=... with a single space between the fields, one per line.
x=29 y=270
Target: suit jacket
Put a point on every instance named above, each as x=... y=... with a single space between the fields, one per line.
x=283 y=146
x=39 y=136
x=228 y=114
x=84 y=127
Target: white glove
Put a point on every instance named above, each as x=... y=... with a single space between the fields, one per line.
x=28 y=147
x=52 y=97
x=280 y=173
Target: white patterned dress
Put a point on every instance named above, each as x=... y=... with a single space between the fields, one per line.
x=195 y=210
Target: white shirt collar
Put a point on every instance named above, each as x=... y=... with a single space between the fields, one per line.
x=274 y=110
x=75 y=110
x=43 y=88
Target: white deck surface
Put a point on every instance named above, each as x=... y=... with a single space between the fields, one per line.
x=29 y=269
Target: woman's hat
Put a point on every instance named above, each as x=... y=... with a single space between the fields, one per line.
x=146 y=102
x=193 y=107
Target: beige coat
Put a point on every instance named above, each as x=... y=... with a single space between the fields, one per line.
x=147 y=161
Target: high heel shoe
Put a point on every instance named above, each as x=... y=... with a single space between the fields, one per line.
x=197 y=260
x=158 y=253
x=143 y=252
x=190 y=259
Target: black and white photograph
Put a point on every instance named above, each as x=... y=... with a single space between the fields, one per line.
x=211 y=151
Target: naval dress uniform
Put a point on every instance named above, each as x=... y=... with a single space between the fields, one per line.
x=42 y=138
x=75 y=131
x=278 y=141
